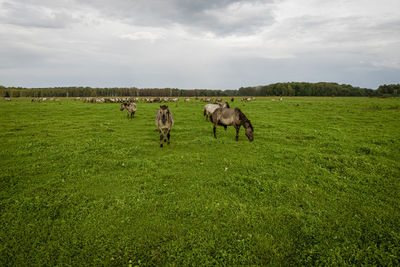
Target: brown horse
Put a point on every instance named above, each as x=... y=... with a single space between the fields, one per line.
x=232 y=117
x=164 y=122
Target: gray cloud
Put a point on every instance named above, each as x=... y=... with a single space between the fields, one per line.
x=29 y=15
x=220 y=16
x=221 y=44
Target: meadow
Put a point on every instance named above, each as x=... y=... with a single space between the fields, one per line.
x=83 y=185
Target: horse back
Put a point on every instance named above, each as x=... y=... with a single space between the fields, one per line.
x=226 y=116
x=169 y=122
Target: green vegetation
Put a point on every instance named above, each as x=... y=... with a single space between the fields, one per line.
x=276 y=89
x=83 y=185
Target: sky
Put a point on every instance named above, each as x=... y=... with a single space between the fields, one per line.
x=198 y=44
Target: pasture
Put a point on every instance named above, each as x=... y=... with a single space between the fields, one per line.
x=83 y=185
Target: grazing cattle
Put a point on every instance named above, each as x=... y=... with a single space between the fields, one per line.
x=187 y=99
x=164 y=122
x=210 y=108
x=130 y=109
x=232 y=99
x=232 y=117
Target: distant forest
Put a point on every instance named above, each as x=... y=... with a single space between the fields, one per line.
x=276 y=89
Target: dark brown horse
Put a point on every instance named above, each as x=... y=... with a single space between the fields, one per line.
x=164 y=122
x=232 y=117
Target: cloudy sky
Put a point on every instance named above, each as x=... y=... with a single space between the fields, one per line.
x=219 y=44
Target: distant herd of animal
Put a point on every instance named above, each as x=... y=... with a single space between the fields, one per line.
x=151 y=99
x=218 y=113
x=132 y=99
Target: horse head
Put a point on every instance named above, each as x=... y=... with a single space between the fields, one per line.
x=123 y=105
x=249 y=131
x=164 y=113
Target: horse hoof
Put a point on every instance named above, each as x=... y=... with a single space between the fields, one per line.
x=161 y=146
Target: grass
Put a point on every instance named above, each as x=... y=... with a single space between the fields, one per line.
x=82 y=185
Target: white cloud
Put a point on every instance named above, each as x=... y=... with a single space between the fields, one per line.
x=149 y=36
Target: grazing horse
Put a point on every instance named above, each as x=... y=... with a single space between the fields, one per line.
x=232 y=117
x=130 y=108
x=210 y=108
x=164 y=122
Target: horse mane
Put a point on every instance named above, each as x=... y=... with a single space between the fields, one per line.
x=227 y=105
x=251 y=126
x=243 y=118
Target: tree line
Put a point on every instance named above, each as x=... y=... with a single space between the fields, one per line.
x=276 y=89
x=317 y=89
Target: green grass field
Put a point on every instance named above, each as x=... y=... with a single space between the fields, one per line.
x=83 y=185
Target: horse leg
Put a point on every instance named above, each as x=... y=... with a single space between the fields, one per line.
x=161 y=138
x=168 y=135
x=225 y=127
x=237 y=132
x=214 y=130
x=133 y=115
x=165 y=132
